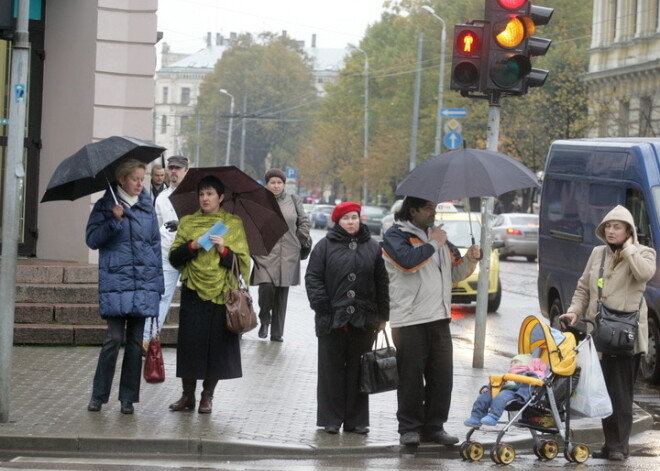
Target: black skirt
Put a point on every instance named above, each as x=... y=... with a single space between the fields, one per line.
x=206 y=349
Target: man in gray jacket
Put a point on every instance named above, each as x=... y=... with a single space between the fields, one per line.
x=422 y=265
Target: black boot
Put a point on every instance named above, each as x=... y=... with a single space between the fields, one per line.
x=187 y=400
x=206 y=402
x=263 y=331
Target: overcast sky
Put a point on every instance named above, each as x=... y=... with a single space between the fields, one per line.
x=335 y=22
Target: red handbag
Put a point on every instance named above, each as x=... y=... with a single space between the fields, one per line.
x=154 y=366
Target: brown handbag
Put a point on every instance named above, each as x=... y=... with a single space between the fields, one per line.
x=241 y=317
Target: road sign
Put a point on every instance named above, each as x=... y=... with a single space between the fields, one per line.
x=453 y=125
x=453 y=140
x=291 y=173
x=453 y=112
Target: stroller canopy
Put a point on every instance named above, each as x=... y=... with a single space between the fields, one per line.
x=553 y=347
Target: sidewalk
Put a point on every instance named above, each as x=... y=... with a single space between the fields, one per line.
x=271 y=411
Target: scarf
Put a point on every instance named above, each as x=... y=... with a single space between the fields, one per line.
x=203 y=272
x=126 y=198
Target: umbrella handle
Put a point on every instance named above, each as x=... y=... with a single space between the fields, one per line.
x=114 y=197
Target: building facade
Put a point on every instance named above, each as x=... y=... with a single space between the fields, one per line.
x=92 y=64
x=624 y=68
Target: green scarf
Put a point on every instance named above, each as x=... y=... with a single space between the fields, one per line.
x=203 y=272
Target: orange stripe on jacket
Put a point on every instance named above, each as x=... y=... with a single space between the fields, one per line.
x=412 y=240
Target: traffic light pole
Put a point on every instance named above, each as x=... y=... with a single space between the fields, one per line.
x=481 y=313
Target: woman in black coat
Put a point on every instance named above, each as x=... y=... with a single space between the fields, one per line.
x=347 y=287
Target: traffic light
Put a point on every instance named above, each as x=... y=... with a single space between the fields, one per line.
x=467 y=59
x=511 y=24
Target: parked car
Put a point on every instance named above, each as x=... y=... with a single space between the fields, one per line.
x=460 y=228
x=320 y=216
x=371 y=216
x=387 y=221
x=308 y=207
x=520 y=234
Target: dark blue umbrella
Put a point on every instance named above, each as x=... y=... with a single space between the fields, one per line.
x=466 y=173
x=92 y=168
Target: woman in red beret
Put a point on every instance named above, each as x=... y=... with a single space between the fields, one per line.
x=347 y=287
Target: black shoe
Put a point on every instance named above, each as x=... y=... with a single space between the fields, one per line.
x=441 y=437
x=616 y=456
x=409 y=438
x=359 y=430
x=331 y=429
x=94 y=405
x=601 y=454
x=275 y=338
x=263 y=331
x=127 y=407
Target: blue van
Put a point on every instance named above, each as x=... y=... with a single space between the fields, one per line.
x=583 y=180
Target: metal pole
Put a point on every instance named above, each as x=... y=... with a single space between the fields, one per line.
x=415 y=118
x=242 y=161
x=365 y=149
x=441 y=80
x=13 y=185
x=231 y=122
x=481 y=313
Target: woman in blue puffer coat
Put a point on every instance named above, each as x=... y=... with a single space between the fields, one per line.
x=125 y=232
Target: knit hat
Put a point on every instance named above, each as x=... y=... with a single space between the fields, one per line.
x=344 y=208
x=524 y=359
x=275 y=172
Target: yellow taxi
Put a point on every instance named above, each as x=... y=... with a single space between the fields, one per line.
x=460 y=227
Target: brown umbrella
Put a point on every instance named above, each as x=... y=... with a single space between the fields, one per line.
x=244 y=197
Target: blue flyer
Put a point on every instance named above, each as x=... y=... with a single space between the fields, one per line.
x=218 y=229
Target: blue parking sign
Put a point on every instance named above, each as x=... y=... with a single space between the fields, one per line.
x=291 y=173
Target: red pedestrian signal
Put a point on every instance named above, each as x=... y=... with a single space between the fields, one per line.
x=467 y=58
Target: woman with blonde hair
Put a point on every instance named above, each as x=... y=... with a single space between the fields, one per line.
x=123 y=227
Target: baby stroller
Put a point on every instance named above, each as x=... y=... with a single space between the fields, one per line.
x=546 y=412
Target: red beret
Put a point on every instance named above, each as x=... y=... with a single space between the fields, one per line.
x=344 y=208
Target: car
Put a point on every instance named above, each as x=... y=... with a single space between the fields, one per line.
x=308 y=207
x=462 y=228
x=320 y=216
x=371 y=216
x=520 y=234
x=387 y=221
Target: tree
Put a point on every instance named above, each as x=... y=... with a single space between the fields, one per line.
x=273 y=75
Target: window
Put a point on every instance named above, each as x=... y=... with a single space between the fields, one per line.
x=645 y=107
x=637 y=207
x=185 y=96
x=166 y=91
x=624 y=118
x=163 y=124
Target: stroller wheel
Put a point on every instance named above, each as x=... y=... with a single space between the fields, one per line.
x=475 y=451
x=578 y=453
x=463 y=450
x=546 y=450
x=502 y=454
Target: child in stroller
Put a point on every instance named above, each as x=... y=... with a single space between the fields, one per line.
x=493 y=398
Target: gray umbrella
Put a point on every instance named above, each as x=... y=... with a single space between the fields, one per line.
x=92 y=168
x=466 y=173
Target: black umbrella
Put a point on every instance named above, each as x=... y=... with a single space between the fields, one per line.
x=245 y=197
x=466 y=173
x=92 y=168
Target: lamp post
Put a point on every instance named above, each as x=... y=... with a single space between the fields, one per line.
x=441 y=81
x=365 y=150
x=231 y=122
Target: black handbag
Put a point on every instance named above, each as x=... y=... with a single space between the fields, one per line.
x=615 y=331
x=378 y=371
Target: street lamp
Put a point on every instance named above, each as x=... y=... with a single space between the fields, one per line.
x=231 y=122
x=441 y=81
x=366 y=119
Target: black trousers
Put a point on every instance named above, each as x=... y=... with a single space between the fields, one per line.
x=424 y=359
x=272 y=307
x=338 y=398
x=619 y=373
x=131 y=368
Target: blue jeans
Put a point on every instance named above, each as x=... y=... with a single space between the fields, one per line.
x=485 y=404
x=131 y=368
